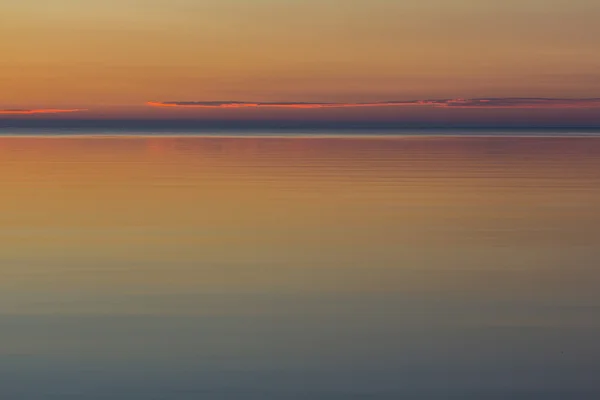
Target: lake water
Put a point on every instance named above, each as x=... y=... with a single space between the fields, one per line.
x=321 y=268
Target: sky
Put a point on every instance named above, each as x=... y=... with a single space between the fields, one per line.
x=116 y=59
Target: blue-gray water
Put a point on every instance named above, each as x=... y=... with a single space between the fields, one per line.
x=346 y=267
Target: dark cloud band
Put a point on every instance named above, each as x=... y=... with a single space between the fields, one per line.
x=509 y=102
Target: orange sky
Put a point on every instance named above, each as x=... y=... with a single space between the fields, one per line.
x=113 y=56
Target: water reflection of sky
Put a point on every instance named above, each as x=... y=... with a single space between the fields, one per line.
x=325 y=268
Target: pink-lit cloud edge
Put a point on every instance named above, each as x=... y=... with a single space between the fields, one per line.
x=39 y=111
x=478 y=103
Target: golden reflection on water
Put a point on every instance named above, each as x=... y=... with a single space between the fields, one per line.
x=86 y=220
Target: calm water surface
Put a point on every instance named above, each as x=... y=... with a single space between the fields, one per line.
x=299 y=268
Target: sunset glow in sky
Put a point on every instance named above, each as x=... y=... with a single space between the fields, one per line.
x=114 y=58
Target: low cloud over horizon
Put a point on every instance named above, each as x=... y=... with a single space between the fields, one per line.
x=25 y=111
x=487 y=103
